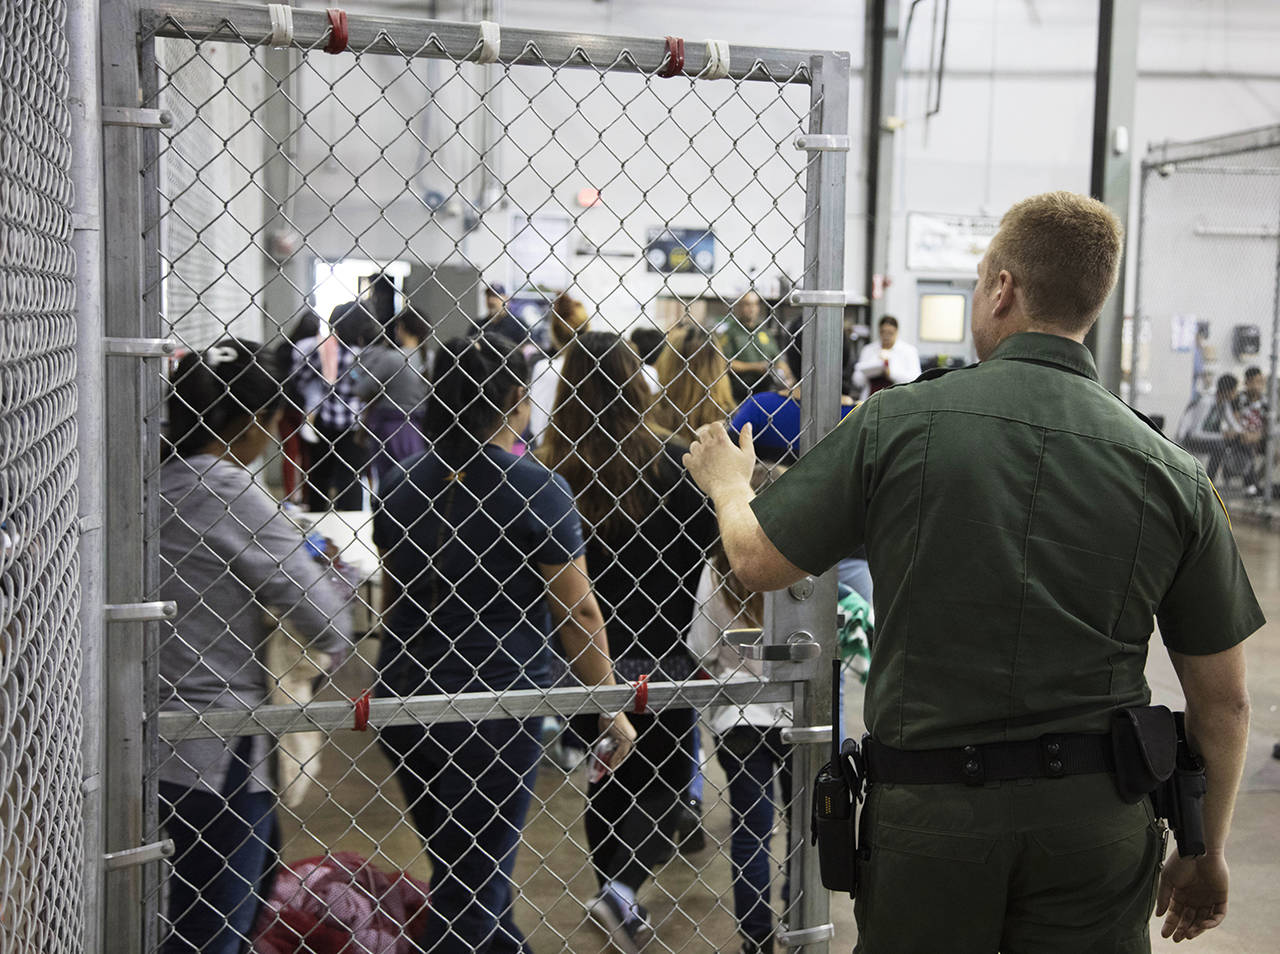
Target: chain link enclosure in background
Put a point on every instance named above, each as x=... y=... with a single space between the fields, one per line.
x=557 y=162
x=42 y=905
x=1207 y=330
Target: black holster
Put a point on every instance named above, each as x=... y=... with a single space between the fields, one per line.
x=837 y=790
x=1154 y=759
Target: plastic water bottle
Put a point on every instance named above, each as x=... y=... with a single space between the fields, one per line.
x=601 y=753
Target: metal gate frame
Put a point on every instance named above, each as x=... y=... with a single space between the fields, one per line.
x=133 y=326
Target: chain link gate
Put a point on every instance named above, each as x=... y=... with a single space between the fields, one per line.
x=443 y=155
x=1208 y=303
x=42 y=906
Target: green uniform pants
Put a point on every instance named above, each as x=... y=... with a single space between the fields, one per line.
x=1034 y=866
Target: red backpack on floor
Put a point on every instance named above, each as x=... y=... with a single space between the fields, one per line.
x=339 y=903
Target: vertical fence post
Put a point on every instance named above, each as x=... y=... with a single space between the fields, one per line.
x=824 y=239
x=1272 y=390
x=122 y=469
x=85 y=100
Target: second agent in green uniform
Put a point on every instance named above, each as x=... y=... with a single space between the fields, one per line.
x=1025 y=529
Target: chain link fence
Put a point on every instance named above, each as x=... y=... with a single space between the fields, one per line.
x=1208 y=306
x=41 y=836
x=448 y=302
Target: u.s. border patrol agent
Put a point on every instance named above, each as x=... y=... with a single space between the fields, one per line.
x=1024 y=528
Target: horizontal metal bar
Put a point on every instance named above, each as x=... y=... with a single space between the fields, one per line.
x=814 y=935
x=139 y=612
x=135 y=116
x=465 y=707
x=803 y=296
x=822 y=143
x=1233 y=231
x=140 y=347
x=115 y=860
x=1233 y=144
x=806 y=735
x=444 y=39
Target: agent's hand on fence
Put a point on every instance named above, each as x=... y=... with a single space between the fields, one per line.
x=621 y=729
x=716 y=465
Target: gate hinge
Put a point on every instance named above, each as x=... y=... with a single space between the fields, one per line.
x=140 y=347
x=114 y=860
x=822 y=143
x=806 y=735
x=814 y=935
x=139 y=612
x=799 y=646
x=134 y=116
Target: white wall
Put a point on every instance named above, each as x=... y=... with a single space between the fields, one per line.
x=1016 y=113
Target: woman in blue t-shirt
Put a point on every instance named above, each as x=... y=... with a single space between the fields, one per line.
x=482 y=556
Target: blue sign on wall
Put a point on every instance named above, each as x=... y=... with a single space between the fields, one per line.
x=680 y=250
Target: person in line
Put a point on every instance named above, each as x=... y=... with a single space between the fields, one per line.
x=327 y=381
x=748 y=740
x=227 y=555
x=752 y=351
x=886 y=362
x=297 y=438
x=392 y=384
x=499 y=321
x=648 y=532
x=482 y=556
x=568 y=317
x=1014 y=609
x=694 y=376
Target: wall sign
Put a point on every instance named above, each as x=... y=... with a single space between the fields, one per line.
x=948 y=243
x=680 y=250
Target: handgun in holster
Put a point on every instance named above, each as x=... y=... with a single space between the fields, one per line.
x=1154 y=759
x=837 y=789
x=1180 y=798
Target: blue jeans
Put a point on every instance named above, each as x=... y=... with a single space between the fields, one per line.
x=222 y=855
x=751 y=756
x=468 y=788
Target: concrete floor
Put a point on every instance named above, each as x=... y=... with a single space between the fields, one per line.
x=690 y=900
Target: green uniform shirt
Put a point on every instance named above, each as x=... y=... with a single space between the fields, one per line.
x=741 y=343
x=1023 y=528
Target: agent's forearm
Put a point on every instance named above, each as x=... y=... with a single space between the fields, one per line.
x=1219 y=732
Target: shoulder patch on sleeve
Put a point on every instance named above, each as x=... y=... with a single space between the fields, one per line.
x=1219 y=496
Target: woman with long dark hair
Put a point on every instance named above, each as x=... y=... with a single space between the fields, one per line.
x=227 y=554
x=648 y=531
x=482 y=556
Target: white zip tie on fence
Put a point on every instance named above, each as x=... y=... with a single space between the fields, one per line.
x=490 y=42
x=717 y=60
x=281 y=24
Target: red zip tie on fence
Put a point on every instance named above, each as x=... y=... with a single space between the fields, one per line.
x=642 y=694
x=362 y=711
x=338 y=35
x=675 y=58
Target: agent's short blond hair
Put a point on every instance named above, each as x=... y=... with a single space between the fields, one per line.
x=1063 y=249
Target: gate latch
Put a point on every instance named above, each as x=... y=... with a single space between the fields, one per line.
x=133 y=116
x=806 y=735
x=814 y=935
x=139 y=612
x=115 y=860
x=140 y=347
x=799 y=646
x=821 y=143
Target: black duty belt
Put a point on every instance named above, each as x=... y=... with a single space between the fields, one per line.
x=1050 y=756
